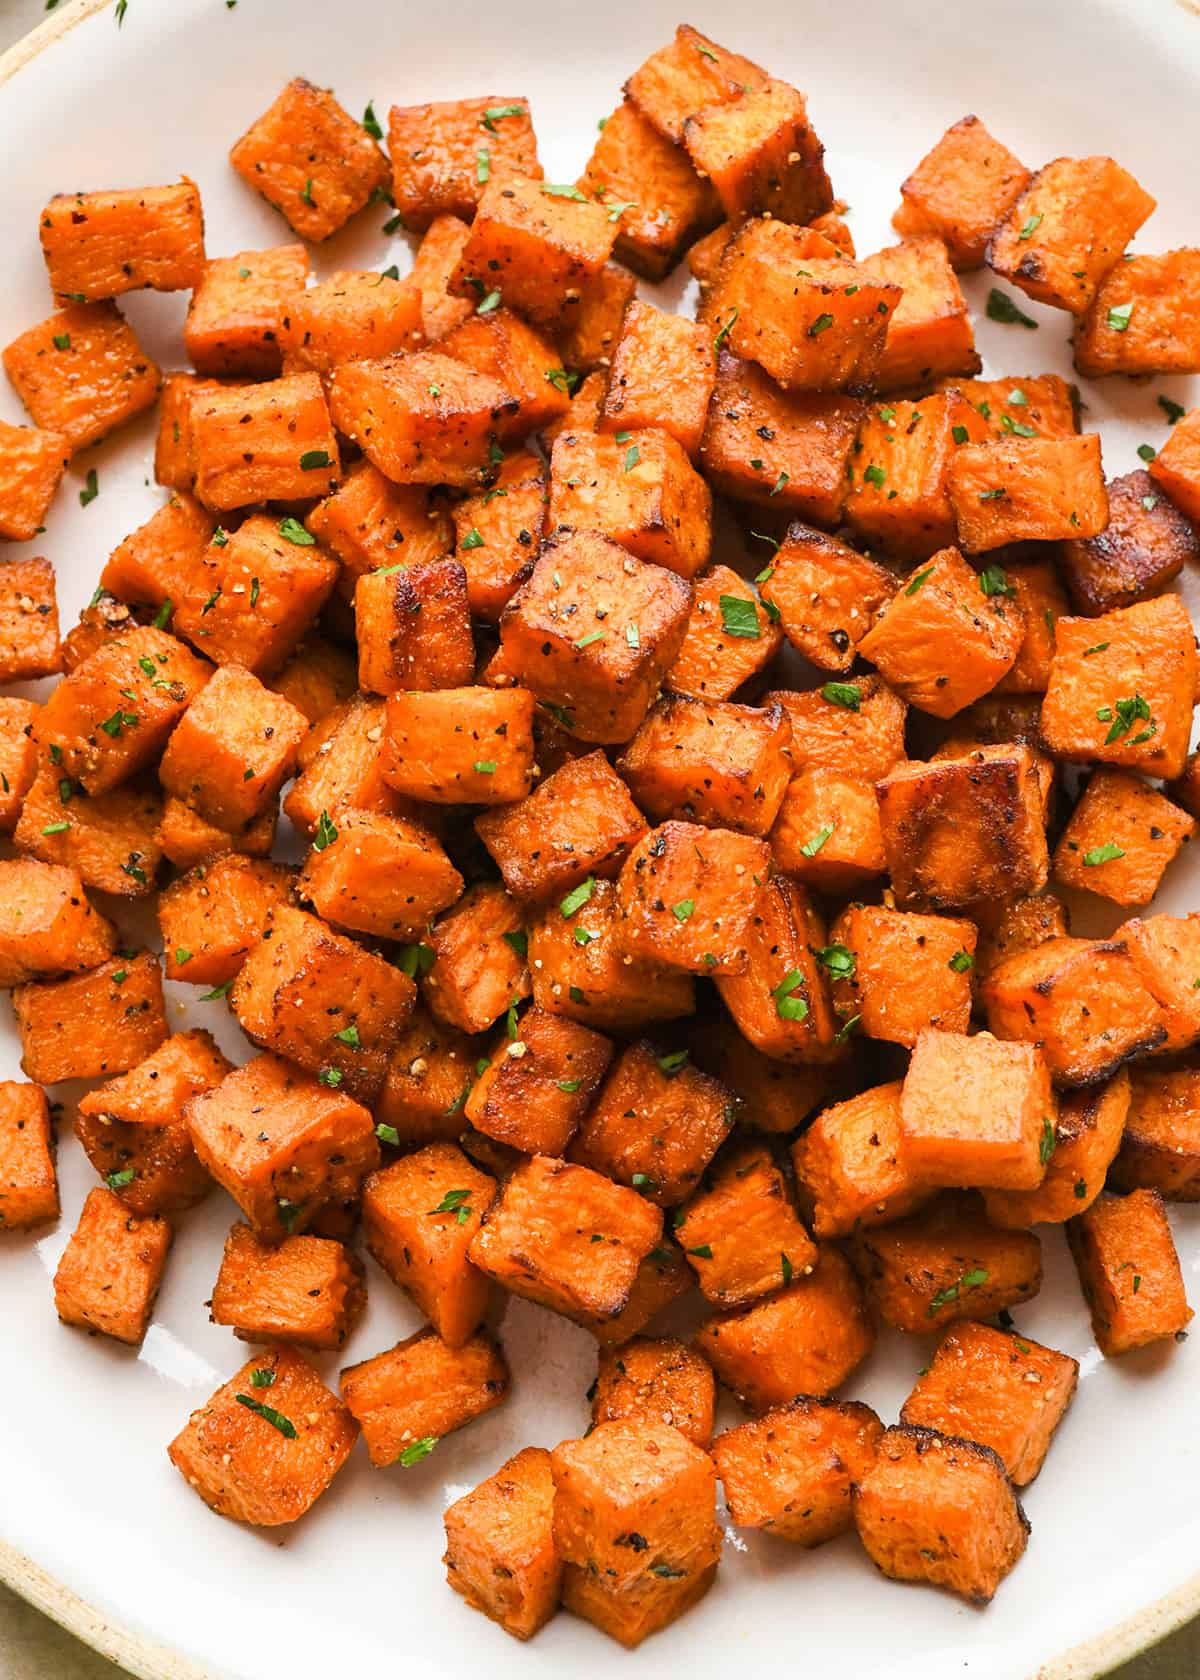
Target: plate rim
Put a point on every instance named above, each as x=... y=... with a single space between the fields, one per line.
x=144 y=1659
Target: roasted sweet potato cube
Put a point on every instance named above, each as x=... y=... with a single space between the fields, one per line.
x=112 y=840
x=28 y=1180
x=655 y=1125
x=28 y=621
x=346 y=769
x=429 y=1077
x=96 y=627
x=309 y=159
x=802 y=469
x=962 y=831
x=824 y=594
x=537 y=1086
x=781 y=1000
x=133 y=1132
x=212 y=917
x=500 y=1546
x=460 y=745
x=156 y=563
x=1165 y=952
x=662 y=1278
x=663 y=1382
x=827 y=833
x=1121 y=838
x=173 y=445
x=444 y=154
x=716 y=764
x=580 y=969
x=1176 y=467
x=730 y=636
x=99 y=244
x=1129 y=1271
x=567 y=1237
x=578 y=822
x=369 y=523
x=945 y=1263
x=110 y=1272
x=761 y=154
x=101 y=1022
x=233 y=749
x=422 y=418
x=31 y=466
x=929 y=332
x=255 y=595
x=1160 y=1146
x=82 y=373
x=268 y=442
x=18 y=756
x=1144 y=545
x=306 y=993
x=740 y=1231
x=637 y=488
x=47 y=925
x=662 y=376
x=805 y=1340
x=898 y=495
x=477 y=965
x=377 y=874
x=1044 y=403
x=850 y=1166
x=234 y=323
x=355 y=313
x=1121 y=688
x=533 y=243
x=686 y=897
x=1086 y=1139
x=318 y=679
x=1068 y=230
x=977 y=1111
x=688 y=75
x=570 y=643
x=413 y=624
x=791 y=1472
x=663 y=203
x=942 y=1511
x=768 y=1096
x=309 y=1291
x=1027 y=490
x=1042 y=601
x=1000 y=1390
x=500 y=531
x=434 y=265
x=864 y=740
x=897 y=972
x=629 y=1615
x=960 y=190
x=282 y=1144
x=591 y=324
x=268 y=1444
x=501 y=345
x=1143 y=318
x=405 y=1400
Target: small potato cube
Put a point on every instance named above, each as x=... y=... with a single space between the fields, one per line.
x=477 y=966
x=31 y=467
x=942 y=1511
x=281 y=1144
x=805 y=1340
x=998 y=1389
x=156 y=563
x=525 y=363
x=827 y=834
x=1068 y=230
x=1144 y=318
x=960 y=190
x=1086 y=1139
x=791 y=1472
x=962 y=831
x=234 y=323
x=533 y=244
x=898 y=973
x=18 y=757
x=929 y=333
x=1165 y=952
x=1120 y=839
x=82 y=373
x=422 y=418
x=345 y=769
x=1028 y=490
x=309 y=159
x=942 y=641
x=233 y=749
x=28 y=1180
x=132 y=1128
x=662 y=1277
x=660 y=202
x=1121 y=688
x=1160 y=1146
x=740 y=1231
x=500 y=532
x=413 y=624
x=655 y=1125
x=769 y=1096
x=864 y=740
x=1176 y=467
x=99 y=244
x=444 y=154
x=809 y=438
x=110 y=1272
x=309 y=1291
x=419 y=1215
x=268 y=442
x=1129 y=1271
x=687 y=895
x=97 y=626
x=1143 y=546
x=639 y=489
x=1042 y=600
x=730 y=636
x=460 y=745
x=592 y=326
x=429 y=1076
x=173 y=446
x=719 y=765
x=761 y=154
x=566 y=1237
x=255 y=595
x=212 y=916
x=268 y=1444
x=825 y=595
x=377 y=874
x=688 y=75
x=47 y=925
x=434 y=265
x=537 y=1087
x=946 y=1263
x=977 y=1111
x=662 y=375
x=101 y=1022
x=851 y=1168
x=899 y=498
x=353 y=314
x=1019 y=924
x=369 y=523
x=662 y=1382
x=781 y=1001
x=500 y=1545
x=405 y=1400
x=1045 y=403
x=592 y=633
x=28 y=621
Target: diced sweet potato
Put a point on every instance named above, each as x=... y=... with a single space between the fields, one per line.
x=714 y=871
x=977 y=1111
x=28 y=621
x=97 y=626
x=719 y=765
x=369 y=523
x=941 y=1511
x=824 y=593
x=1176 y=467
x=429 y=1076
x=110 y=1272
x=344 y=768
x=444 y=154
x=156 y=563
x=1041 y=599
x=663 y=203
x=235 y=319
x=827 y=833
x=791 y=1472
x=1143 y=546
x=960 y=190
x=47 y=925
x=1019 y=924
x=662 y=375
x=460 y=745
x=353 y=314
x=662 y=1382
x=740 y=1231
x=850 y=1166
x=501 y=345
x=864 y=740
x=82 y=373
x=99 y=244
x=896 y=973
x=1121 y=838
x=899 y=497
x=688 y=75
x=268 y=442
x=637 y=488
x=211 y=917
x=1129 y=1271
x=32 y=461
x=500 y=531
x=929 y=333
x=233 y=749
x=405 y=1400
x=1028 y=490
x=101 y=1022
x=730 y=636
x=112 y=839
x=500 y=1546
x=761 y=154
x=318 y=679
x=434 y=265
x=28 y=1180
x=309 y=1291
x=537 y=1086
x=768 y=1096
x=1165 y=953
x=1160 y=1146
x=377 y=874
x=781 y=1000
x=477 y=968
x=534 y=244
x=1089 y=1131
x=662 y=1277
x=18 y=757
x=1143 y=318
x=413 y=626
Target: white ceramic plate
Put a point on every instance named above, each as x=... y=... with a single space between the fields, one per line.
x=87 y=1490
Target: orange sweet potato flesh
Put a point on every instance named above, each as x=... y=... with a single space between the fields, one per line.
x=500 y=1545
x=47 y=925
x=977 y=1111
x=633 y=165
x=28 y=1181
x=850 y=1168
x=235 y=319
x=908 y=972
x=1160 y=1147
x=1145 y=830
x=103 y=243
x=535 y=1100
x=94 y=1024
x=716 y=870
x=662 y=1381
x=1129 y=1271
x=1091 y=1124
x=712 y=663
x=108 y=1277
x=740 y=1231
x=690 y=73
x=212 y=916
x=31 y=465
x=423 y=1387
x=309 y=1291
x=436 y=150
x=960 y=190
x=100 y=380
x=791 y=1472
x=1028 y=490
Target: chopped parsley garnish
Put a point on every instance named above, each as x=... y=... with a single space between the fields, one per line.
x=961 y=962
x=838 y=961
x=969 y=1280
x=118 y=1180
x=387 y=1134
x=683 y=909
x=726 y=327
x=276 y=1419
x=578 y=896
x=844 y=694
x=92 y=489
x=788 y=1006
x=326 y=832
x=811 y=847
x=292 y=531
x=820 y=325
x=371 y=122
x=312 y=458
x=1119 y=316
x=915 y=583
x=1031 y=226
x=993 y=580
x=1048 y=1142
x=739 y=615
x=1000 y=307
x=1108 y=853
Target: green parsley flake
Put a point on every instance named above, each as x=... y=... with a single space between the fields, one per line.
x=838 y=961
x=292 y=531
x=787 y=1006
x=1107 y=853
x=578 y=896
x=91 y=490
x=1000 y=307
x=276 y=1419
x=844 y=694
x=739 y=615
